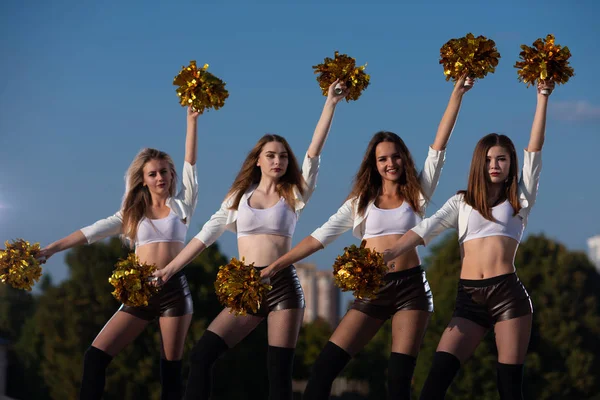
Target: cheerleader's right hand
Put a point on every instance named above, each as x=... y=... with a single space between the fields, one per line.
x=45 y=254
x=161 y=276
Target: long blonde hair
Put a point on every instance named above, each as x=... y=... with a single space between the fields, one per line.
x=137 y=197
x=250 y=174
x=367 y=182
x=477 y=191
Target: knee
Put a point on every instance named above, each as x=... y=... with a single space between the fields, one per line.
x=95 y=358
x=208 y=349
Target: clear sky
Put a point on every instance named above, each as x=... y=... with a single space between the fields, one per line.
x=85 y=85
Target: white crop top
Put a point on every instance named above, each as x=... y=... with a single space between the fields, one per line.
x=279 y=220
x=168 y=229
x=381 y=222
x=505 y=225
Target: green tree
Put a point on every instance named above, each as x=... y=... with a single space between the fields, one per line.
x=562 y=357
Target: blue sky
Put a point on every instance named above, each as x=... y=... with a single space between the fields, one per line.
x=85 y=85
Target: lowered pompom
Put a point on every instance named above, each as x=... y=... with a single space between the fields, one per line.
x=545 y=60
x=199 y=88
x=19 y=266
x=131 y=280
x=360 y=270
x=239 y=287
x=474 y=56
x=343 y=68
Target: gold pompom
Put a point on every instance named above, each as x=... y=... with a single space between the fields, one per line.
x=545 y=60
x=360 y=270
x=239 y=287
x=343 y=68
x=475 y=56
x=18 y=264
x=130 y=279
x=199 y=88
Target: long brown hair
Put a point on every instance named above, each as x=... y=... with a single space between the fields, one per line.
x=477 y=191
x=137 y=197
x=250 y=174
x=367 y=182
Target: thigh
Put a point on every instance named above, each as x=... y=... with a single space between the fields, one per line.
x=461 y=338
x=408 y=328
x=355 y=330
x=173 y=331
x=512 y=339
x=233 y=329
x=284 y=327
x=118 y=332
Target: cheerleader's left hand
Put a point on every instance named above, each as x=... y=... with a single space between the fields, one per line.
x=547 y=85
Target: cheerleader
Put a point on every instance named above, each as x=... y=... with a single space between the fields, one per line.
x=387 y=200
x=262 y=206
x=154 y=219
x=490 y=217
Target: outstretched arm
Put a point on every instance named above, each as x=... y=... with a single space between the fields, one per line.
x=324 y=124
x=309 y=245
x=538 y=129
x=451 y=114
x=76 y=238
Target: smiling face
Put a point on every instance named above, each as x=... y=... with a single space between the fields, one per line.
x=273 y=160
x=497 y=164
x=388 y=161
x=157 y=177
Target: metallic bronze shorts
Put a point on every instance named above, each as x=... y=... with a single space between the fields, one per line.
x=173 y=300
x=487 y=301
x=286 y=293
x=402 y=291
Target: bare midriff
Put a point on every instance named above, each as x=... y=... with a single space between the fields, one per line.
x=410 y=259
x=159 y=254
x=263 y=249
x=488 y=257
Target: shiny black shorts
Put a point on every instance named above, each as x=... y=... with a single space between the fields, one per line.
x=402 y=291
x=173 y=300
x=487 y=301
x=286 y=293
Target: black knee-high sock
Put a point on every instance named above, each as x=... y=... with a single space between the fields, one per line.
x=95 y=362
x=400 y=371
x=202 y=358
x=329 y=364
x=442 y=373
x=170 y=379
x=510 y=381
x=279 y=368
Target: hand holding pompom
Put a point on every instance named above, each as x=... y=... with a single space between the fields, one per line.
x=544 y=61
x=360 y=270
x=132 y=281
x=240 y=287
x=469 y=55
x=20 y=264
x=343 y=69
x=200 y=89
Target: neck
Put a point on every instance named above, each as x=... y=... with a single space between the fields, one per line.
x=495 y=191
x=158 y=202
x=390 y=188
x=267 y=185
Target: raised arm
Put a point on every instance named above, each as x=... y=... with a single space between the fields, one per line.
x=191 y=137
x=451 y=114
x=324 y=124
x=538 y=129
